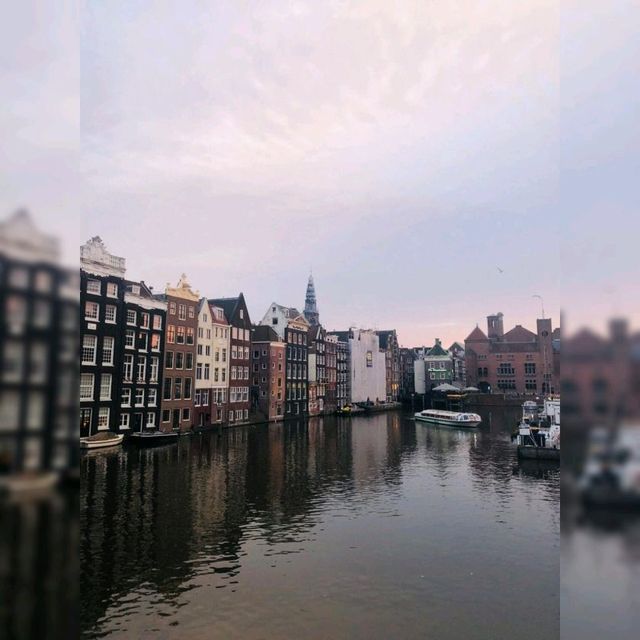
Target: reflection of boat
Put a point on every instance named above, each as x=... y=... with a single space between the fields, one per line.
x=538 y=436
x=101 y=440
x=153 y=437
x=449 y=418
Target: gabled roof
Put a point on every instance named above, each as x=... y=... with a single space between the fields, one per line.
x=519 y=334
x=264 y=333
x=228 y=305
x=476 y=334
x=456 y=346
x=437 y=350
x=343 y=336
x=384 y=337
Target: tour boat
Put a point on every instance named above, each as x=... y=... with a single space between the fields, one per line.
x=101 y=440
x=449 y=418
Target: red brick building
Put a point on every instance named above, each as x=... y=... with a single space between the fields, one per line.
x=237 y=315
x=518 y=361
x=179 y=356
x=268 y=363
x=331 y=369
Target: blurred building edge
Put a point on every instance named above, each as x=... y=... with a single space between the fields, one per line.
x=39 y=328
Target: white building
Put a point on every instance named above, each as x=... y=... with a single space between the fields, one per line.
x=367 y=366
x=278 y=318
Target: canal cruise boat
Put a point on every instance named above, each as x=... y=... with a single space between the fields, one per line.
x=449 y=418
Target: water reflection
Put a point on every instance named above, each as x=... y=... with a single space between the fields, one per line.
x=329 y=527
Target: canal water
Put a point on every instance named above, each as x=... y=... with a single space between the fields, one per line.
x=369 y=527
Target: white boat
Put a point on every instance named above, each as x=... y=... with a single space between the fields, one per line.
x=538 y=437
x=449 y=418
x=110 y=440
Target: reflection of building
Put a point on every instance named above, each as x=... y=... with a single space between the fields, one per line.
x=518 y=361
x=268 y=372
x=180 y=353
x=38 y=351
x=389 y=344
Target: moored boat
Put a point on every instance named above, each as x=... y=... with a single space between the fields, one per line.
x=538 y=436
x=101 y=440
x=153 y=437
x=449 y=418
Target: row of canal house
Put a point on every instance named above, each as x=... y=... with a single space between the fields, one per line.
x=177 y=360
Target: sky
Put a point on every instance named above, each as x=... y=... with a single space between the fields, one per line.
x=432 y=162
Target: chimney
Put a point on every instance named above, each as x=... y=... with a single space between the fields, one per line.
x=495 y=327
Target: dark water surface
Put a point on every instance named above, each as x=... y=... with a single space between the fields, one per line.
x=370 y=527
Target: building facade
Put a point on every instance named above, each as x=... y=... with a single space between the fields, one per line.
x=432 y=367
x=38 y=351
x=178 y=388
x=518 y=361
x=317 y=370
x=237 y=315
x=296 y=338
x=407 y=374
x=459 y=374
x=203 y=395
x=343 y=386
x=331 y=368
x=389 y=344
x=268 y=373
x=221 y=349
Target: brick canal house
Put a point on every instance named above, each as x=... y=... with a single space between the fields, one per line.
x=268 y=381
x=317 y=371
x=389 y=344
x=237 y=315
x=343 y=387
x=518 y=361
x=122 y=346
x=180 y=355
x=221 y=347
x=38 y=349
x=407 y=376
x=331 y=395
x=293 y=328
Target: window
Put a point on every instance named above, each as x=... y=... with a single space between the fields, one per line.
x=256 y=354
x=530 y=368
x=196 y=399
x=145 y=321
x=206 y=371
x=157 y=322
x=125 y=400
x=112 y=289
x=192 y=312
x=91 y=310
x=180 y=335
x=105 y=386
x=188 y=361
x=190 y=335
x=177 y=389
x=142 y=366
x=103 y=418
x=207 y=350
x=85 y=418
x=155 y=342
x=127 y=368
x=246 y=353
x=246 y=414
x=187 y=388
x=94 y=286
x=153 y=372
x=179 y=359
x=205 y=397
x=186 y=413
x=86 y=386
x=139 y=397
x=130 y=339
x=171 y=334
x=107 y=350
x=152 y=397
x=216 y=374
x=224 y=355
x=168 y=360
x=151 y=419
x=131 y=317
x=224 y=375
x=182 y=312
x=172 y=308
x=166 y=392
x=110 y=313
x=89 y=342
x=143 y=341
x=166 y=415
x=124 y=420
x=233 y=373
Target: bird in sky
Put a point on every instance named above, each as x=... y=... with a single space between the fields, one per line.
x=499 y=269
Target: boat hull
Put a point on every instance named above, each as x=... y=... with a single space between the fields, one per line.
x=444 y=422
x=101 y=444
x=529 y=452
x=151 y=439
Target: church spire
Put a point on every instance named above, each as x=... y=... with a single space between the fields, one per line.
x=310 y=306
